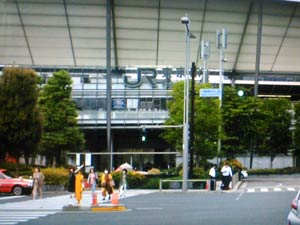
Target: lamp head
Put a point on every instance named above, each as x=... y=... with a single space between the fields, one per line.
x=185 y=20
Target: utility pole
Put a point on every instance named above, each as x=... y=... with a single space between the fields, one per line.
x=221 y=43
x=188 y=35
x=192 y=124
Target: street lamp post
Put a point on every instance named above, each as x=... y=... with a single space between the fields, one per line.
x=221 y=43
x=185 y=20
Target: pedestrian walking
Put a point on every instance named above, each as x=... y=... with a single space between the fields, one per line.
x=92 y=180
x=226 y=176
x=212 y=175
x=71 y=183
x=123 y=183
x=107 y=184
x=38 y=183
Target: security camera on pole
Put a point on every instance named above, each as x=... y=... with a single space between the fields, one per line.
x=221 y=43
x=186 y=21
x=205 y=52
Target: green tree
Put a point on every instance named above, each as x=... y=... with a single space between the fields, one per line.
x=278 y=135
x=255 y=125
x=207 y=120
x=243 y=123
x=61 y=132
x=20 y=118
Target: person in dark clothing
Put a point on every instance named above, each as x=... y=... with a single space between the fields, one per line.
x=71 y=184
x=212 y=175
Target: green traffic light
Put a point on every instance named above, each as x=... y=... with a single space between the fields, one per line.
x=144 y=134
x=240 y=93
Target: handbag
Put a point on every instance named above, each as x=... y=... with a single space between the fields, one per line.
x=111 y=183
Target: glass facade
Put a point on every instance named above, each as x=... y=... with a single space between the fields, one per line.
x=143 y=103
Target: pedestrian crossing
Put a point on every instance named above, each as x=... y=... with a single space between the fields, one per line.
x=271 y=189
x=17 y=216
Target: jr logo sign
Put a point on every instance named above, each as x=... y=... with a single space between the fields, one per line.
x=149 y=73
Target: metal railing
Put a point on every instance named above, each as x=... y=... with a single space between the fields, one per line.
x=203 y=184
x=192 y=184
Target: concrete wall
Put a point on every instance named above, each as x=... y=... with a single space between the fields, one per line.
x=264 y=162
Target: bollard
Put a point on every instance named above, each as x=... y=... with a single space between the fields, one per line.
x=206 y=186
x=94 y=199
x=115 y=198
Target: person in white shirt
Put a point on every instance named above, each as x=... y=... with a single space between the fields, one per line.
x=226 y=176
x=212 y=175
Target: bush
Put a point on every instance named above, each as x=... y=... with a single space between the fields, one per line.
x=134 y=179
x=56 y=176
x=200 y=173
x=171 y=172
x=24 y=170
x=154 y=171
x=151 y=182
x=234 y=164
x=287 y=170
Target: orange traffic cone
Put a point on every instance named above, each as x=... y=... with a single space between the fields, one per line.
x=115 y=198
x=94 y=199
x=206 y=186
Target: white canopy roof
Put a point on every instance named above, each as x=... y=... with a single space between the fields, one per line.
x=148 y=33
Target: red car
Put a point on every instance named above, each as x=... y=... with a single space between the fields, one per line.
x=16 y=186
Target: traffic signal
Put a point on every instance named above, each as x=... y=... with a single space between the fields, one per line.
x=144 y=134
x=241 y=93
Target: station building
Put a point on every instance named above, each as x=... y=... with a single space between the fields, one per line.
x=143 y=45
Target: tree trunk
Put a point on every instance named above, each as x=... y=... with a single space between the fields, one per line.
x=26 y=157
x=272 y=157
x=2 y=156
x=17 y=164
x=251 y=153
x=58 y=158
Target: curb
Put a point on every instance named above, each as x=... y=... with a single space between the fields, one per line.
x=108 y=208
x=96 y=208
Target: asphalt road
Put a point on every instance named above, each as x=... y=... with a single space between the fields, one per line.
x=191 y=208
x=273 y=180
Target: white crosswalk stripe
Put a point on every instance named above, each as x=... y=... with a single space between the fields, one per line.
x=291 y=189
x=264 y=189
x=15 y=217
x=271 y=189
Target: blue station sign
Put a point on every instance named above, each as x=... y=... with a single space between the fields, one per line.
x=210 y=92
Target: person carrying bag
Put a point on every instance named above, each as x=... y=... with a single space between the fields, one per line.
x=107 y=184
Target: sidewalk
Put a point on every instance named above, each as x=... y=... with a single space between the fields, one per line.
x=59 y=203
x=65 y=203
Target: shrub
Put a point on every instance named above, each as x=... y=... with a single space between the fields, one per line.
x=24 y=170
x=234 y=164
x=134 y=179
x=151 y=182
x=154 y=171
x=288 y=170
x=56 y=176
x=199 y=172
